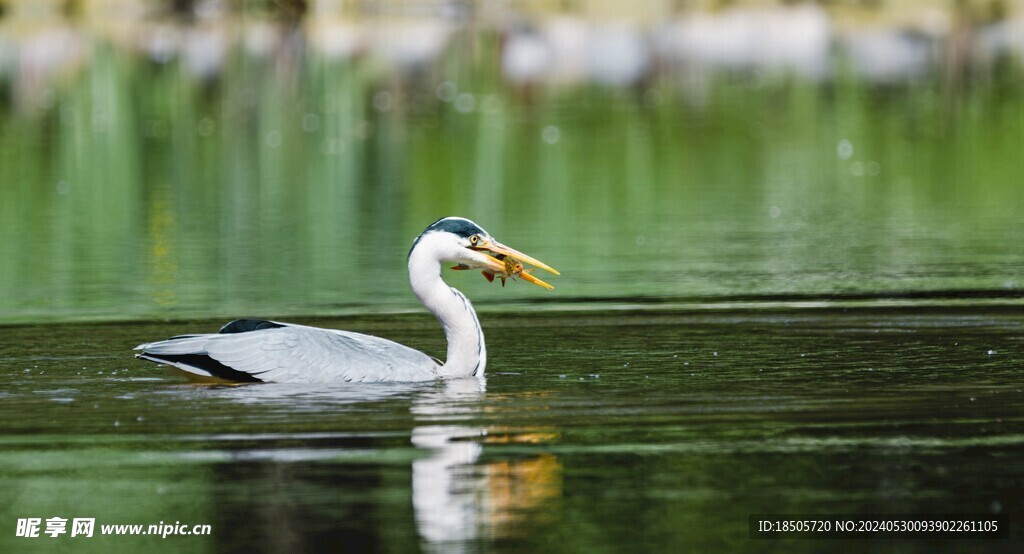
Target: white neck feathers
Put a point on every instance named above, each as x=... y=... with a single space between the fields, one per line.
x=467 y=354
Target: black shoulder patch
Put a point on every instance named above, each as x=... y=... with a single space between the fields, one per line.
x=246 y=325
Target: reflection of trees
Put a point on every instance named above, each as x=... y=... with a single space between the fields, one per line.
x=206 y=165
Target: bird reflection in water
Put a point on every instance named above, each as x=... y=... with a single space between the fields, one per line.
x=460 y=493
x=457 y=498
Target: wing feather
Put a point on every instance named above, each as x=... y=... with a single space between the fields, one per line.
x=297 y=353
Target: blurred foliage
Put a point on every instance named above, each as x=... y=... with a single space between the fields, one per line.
x=286 y=180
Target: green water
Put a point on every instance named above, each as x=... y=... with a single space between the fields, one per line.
x=776 y=297
x=136 y=191
x=592 y=433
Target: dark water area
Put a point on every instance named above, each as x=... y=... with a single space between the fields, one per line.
x=594 y=431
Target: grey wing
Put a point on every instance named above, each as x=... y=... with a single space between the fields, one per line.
x=293 y=354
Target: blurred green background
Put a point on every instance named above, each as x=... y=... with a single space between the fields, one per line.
x=196 y=158
x=728 y=166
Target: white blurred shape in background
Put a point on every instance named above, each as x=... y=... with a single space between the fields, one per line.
x=618 y=55
x=793 y=39
x=889 y=55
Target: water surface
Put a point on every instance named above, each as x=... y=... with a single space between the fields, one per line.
x=618 y=431
x=286 y=184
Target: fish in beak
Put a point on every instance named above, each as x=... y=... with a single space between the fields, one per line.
x=505 y=262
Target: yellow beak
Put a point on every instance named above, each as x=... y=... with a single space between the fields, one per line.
x=498 y=248
x=488 y=246
x=531 y=279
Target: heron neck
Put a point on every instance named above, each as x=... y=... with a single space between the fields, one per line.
x=467 y=354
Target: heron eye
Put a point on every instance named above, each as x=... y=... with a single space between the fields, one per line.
x=474 y=239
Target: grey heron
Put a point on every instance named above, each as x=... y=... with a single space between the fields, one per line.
x=254 y=350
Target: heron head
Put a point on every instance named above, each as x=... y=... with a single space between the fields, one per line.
x=459 y=240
